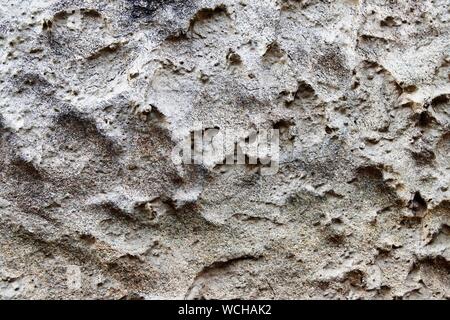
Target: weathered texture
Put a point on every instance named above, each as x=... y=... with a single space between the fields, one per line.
x=95 y=94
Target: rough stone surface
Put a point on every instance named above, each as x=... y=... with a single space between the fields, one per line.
x=95 y=94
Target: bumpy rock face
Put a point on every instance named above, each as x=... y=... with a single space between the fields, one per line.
x=95 y=95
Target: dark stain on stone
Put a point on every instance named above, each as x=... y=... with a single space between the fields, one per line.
x=146 y=9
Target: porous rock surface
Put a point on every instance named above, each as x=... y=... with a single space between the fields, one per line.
x=95 y=94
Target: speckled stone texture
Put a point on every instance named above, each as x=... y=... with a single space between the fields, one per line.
x=94 y=95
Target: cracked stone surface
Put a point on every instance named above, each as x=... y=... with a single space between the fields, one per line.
x=95 y=94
